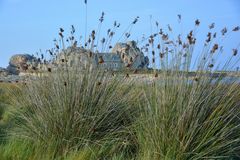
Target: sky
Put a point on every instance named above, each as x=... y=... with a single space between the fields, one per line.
x=26 y=26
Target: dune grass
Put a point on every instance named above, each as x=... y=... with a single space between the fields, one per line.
x=198 y=120
x=67 y=111
x=96 y=115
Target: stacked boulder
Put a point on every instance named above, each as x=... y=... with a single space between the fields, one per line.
x=21 y=63
x=123 y=55
x=18 y=63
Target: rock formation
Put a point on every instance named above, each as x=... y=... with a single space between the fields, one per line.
x=131 y=55
x=122 y=55
x=20 y=63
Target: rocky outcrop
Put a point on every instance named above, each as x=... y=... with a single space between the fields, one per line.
x=123 y=55
x=75 y=56
x=131 y=55
x=20 y=63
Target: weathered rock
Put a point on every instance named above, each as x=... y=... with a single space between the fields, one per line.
x=131 y=55
x=123 y=55
x=73 y=56
x=20 y=63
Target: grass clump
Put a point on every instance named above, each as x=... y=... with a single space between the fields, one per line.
x=189 y=121
x=189 y=117
x=3 y=100
x=67 y=111
x=5 y=117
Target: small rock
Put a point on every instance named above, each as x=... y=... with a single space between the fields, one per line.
x=3 y=72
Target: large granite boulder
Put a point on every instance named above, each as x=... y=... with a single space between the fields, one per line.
x=122 y=55
x=75 y=56
x=131 y=55
x=20 y=63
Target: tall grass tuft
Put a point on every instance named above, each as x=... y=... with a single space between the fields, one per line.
x=190 y=116
x=68 y=111
x=198 y=120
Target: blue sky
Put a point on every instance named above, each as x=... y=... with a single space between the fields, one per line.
x=29 y=25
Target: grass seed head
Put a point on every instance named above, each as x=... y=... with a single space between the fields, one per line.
x=161 y=31
x=73 y=29
x=100 y=60
x=61 y=30
x=118 y=25
x=153 y=60
x=161 y=55
x=165 y=37
x=57 y=46
x=153 y=53
x=236 y=29
x=211 y=26
x=179 y=17
x=99 y=83
x=196 y=79
x=224 y=31
x=49 y=70
x=169 y=28
x=90 y=54
x=103 y=40
x=235 y=52
x=215 y=48
x=135 y=20
x=61 y=35
x=215 y=35
x=211 y=65
x=197 y=22
x=131 y=60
